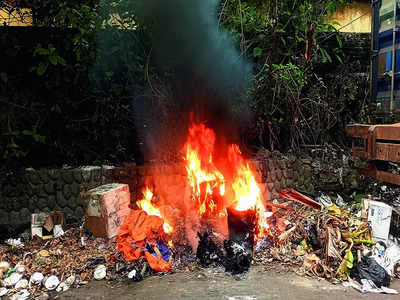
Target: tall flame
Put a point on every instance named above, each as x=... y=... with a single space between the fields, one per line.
x=246 y=190
x=206 y=181
x=146 y=205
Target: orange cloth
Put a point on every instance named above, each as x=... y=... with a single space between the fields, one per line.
x=158 y=263
x=138 y=227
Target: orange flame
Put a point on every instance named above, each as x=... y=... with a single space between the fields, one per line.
x=146 y=205
x=247 y=193
x=208 y=183
x=204 y=178
x=246 y=190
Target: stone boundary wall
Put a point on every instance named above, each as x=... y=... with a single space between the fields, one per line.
x=22 y=194
x=29 y=191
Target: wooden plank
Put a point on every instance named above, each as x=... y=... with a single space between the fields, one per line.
x=381 y=175
x=357 y=130
x=359 y=152
x=388 y=152
x=388 y=132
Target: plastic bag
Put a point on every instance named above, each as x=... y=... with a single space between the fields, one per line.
x=369 y=269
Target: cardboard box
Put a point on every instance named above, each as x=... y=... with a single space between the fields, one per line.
x=41 y=222
x=379 y=215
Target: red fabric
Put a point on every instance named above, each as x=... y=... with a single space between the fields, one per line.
x=138 y=227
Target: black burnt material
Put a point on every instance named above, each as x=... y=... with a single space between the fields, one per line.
x=209 y=252
x=239 y=247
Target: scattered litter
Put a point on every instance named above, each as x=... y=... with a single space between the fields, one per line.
x=70 y=280
x=62 y=287
x=22 y=284
x=3 y=291
x=100 y=272
x=36 y=278
x=15 y=243
x=379 y=214
x=339 y=201
x=135 y=275
x=47 y=225
x=97 y=260
x=20 y=269
x=296 y=196
x=58 y=231
x=51 y=282
x=325 y=200
x=4 y=266
x=12 y=279
x=21 y=295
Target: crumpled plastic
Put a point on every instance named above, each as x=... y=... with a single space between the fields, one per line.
x=369 y=269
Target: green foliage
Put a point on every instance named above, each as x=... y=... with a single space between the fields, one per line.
x=286 y=39
x=49 y=57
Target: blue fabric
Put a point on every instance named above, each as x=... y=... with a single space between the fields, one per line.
x=164 y=250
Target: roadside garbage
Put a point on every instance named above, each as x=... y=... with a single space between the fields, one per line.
x=100 y=272
x=51 y=282
x=12 y=279
x=140 y=235
x=379 y=214
x=4 y=266
x=21 y=295
x=296 y=196
x=339 y=201
x=47 y=225
x=323 y=236
x=62 y=287
x=22 y=284
x=15 y=243
x=3 y=291
x=369 y=269
x=325 y=200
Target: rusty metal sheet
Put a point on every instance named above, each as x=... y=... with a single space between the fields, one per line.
x=388 y=152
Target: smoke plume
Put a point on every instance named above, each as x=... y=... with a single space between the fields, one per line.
x=211 y=75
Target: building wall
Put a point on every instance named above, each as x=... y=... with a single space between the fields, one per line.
x=350 y=12
x=21 y=18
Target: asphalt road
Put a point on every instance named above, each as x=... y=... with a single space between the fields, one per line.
x=206 y=284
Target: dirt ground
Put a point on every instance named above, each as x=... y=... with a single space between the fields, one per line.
x=206 y=284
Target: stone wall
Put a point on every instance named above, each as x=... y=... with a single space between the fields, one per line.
x=325 y=169
x=29 y=191
x=60 y=189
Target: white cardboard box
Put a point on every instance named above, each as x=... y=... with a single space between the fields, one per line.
x=380 y=215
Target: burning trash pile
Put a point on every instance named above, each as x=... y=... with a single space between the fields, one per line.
x=223 y=220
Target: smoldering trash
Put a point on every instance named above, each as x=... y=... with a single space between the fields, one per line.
x=330 y=242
